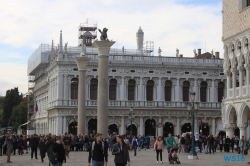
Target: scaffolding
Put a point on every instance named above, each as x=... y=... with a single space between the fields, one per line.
x=148 y=48
x=88 y=32
x=30 y=96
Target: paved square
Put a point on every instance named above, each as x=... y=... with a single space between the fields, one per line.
x=143 y=158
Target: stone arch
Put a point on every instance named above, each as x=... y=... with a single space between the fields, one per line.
x=231 y=115
x=183 y=121
x=244 y=114
x=170 y=121
x=245 y=44
x=227 y=64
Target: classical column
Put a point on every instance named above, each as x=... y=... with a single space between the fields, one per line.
x=233 y=70
x=178 y=126
x=103 y=48
x=247 y=67
x=242 y=128
x=122 y=89
x=212 y=98
x=159 y=90
x=159 y=127
x=240 y=68
x=140 y=90
x=82 y=65
x=59 y=129
x=213 y=127
x=229 y=131
x=141 y=125
x=65 y=83
x=122 y=132
x=177 y=89
x=196 y=89
x=65 y=124
x=228 y=74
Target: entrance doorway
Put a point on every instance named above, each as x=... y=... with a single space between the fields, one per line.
x=72 y=128
x=204 y=129
x=168 y=128
x=134 y=130
x=222 y=133
x=186 y=128
x=113 y=129
x=237 y=132
x=92 y=126
x=150 y=127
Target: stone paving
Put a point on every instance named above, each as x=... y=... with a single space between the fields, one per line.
x=143 y=158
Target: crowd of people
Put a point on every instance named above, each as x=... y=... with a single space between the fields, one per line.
x=120 y=145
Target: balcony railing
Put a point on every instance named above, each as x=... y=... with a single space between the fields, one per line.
x=148 y=104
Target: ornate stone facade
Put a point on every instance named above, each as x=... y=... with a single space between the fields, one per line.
x=58 y=110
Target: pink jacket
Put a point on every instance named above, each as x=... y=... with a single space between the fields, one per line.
x=159 y=145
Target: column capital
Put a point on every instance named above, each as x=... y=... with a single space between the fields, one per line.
x=81 y=63
x=240 y=68
x=247 y=66
x=242 y=126
x=227 y=72
x=233 y=70
x=103 y=47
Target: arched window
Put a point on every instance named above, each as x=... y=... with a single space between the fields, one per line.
x=185 y=91
x=93 y=89
x=112 y=89
x=150 y=90
x=131 y=90
x=220 y=91
x=74 y=88
x=168 y=90
x=203 y=92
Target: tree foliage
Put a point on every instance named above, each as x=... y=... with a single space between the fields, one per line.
x=1 y=109
x=19 y=115
x=12 y=99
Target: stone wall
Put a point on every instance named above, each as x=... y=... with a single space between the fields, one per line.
x=235 y=19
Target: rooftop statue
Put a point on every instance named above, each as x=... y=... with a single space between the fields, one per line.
x=177 y=52
x=159 y=51
x=104 y=35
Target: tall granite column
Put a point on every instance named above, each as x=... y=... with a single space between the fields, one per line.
x=82 y=65
x=103 y=48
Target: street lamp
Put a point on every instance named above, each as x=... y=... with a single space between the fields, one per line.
x=131 y=117
x=192 y=106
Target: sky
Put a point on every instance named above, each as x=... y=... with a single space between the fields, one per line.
x=171 y=24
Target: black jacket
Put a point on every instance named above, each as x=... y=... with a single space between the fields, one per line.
x=58 y=148
x=34 y=142
x=227 y=141
x=123 y=156
x=99 y=153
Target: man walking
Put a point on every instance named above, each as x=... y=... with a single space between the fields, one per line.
x=34 y=144
x=98 y=152
x=227 y=144
x=66 y=143
x=10 y=143
x=211 y=143
x=242 y=145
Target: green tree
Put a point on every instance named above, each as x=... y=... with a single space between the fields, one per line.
x=1 y=109
x=19 y=114
x=12 y=99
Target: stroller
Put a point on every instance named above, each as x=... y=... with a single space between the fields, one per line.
x=171 y=159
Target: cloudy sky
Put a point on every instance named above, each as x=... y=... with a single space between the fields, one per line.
x=171 y=24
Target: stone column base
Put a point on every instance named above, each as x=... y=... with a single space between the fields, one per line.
x=193 y=157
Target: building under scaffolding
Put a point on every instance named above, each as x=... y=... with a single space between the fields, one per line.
x=87 y=32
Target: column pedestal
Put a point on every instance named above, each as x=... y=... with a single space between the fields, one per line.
x=82 y=65
x=103 y=48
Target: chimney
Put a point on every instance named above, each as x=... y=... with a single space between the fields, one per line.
x=181 y=55
x=217 y=55
x=199 y=52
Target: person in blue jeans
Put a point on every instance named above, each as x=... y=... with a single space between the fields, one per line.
x=134 y=144
x=148 y=141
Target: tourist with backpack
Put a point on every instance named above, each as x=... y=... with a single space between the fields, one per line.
x=43 y=148
x=57 y=155
x=98 y=152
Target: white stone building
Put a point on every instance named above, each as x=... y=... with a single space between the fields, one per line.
x=236 y=37
x=157 y=87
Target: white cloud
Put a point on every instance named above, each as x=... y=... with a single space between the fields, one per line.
x=170 y=25
x=13 y=75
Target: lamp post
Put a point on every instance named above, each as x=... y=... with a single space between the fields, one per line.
x=192 y=106
x=131 y=117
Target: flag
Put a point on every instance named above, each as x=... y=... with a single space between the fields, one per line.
x=35 y=108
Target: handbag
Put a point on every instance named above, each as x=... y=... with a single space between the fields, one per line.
x=156 y=145
x=235 y=146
